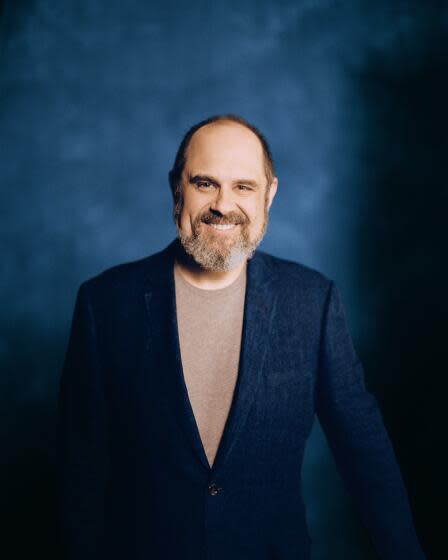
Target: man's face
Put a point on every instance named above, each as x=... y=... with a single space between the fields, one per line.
x=226 y=200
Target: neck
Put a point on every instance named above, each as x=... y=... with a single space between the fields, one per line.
x=201 y=278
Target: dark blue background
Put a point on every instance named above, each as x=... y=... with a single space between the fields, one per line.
x=95 y=96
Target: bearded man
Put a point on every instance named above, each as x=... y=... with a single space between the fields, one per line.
x=193 y=376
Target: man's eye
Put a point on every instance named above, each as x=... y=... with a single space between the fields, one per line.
x=203 y=184
x=243 y=188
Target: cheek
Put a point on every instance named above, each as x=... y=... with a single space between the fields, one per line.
x=189 y=214
x=184 y=220
x=256 y=213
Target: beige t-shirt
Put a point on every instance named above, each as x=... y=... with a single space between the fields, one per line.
x=210 y=324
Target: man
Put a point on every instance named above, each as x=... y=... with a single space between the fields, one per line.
x=192 y=378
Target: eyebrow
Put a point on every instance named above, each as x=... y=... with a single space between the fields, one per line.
x=197 y=178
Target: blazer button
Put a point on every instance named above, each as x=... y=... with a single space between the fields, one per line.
x=213 y=489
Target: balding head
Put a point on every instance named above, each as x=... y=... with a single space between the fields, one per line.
x=224 y=196
x=175 y=175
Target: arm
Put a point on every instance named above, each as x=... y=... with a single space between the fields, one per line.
x=81 y=440
x=352 y=422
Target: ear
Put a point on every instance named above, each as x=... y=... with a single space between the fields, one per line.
x=272 y=190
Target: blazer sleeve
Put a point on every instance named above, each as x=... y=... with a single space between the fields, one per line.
x=353 y=424
x=82 y=458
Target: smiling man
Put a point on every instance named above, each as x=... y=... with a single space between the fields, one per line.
x=193 y=376
x=221 y=214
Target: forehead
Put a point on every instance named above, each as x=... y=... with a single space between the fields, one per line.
x=225 y=148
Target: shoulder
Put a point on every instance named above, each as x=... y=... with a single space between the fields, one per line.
x=289 y=274
x=125 y=277
x=302 y=294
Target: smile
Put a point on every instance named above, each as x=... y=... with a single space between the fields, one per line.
x=223 y=227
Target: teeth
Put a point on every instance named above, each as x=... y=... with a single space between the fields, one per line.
x=223 y=226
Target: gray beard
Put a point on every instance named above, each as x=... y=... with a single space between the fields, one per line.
x=221 y=258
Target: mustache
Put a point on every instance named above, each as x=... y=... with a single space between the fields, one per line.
x=224 y=220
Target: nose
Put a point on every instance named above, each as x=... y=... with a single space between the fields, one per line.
x=223 y=201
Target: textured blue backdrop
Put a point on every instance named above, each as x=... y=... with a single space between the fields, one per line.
x=95 y=96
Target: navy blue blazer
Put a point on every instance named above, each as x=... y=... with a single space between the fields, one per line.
x=134 y=480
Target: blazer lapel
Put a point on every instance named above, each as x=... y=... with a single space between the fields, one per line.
x=166 y=356
x=259 y=307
